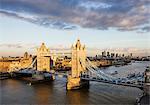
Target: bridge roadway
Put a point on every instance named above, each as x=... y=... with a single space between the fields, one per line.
x=100 y=80
x=115 y=83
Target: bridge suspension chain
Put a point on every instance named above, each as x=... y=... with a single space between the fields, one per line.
x=94 y=71
x=98 y=71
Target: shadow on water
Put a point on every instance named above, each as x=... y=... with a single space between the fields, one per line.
x=78 y=96
x=42 y=93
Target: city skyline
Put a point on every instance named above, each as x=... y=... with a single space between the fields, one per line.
x=29 y=24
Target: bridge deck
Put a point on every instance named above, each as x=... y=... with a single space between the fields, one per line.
x=110 y=82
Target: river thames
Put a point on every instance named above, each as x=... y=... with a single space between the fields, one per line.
x=19 y=92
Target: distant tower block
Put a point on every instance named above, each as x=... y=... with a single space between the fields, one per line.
x=78 y=56
x=43 y=58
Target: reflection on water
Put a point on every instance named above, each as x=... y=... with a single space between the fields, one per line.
x=18 y=92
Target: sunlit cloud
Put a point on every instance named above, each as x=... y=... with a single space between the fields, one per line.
x=122 y=15
x=11 y=45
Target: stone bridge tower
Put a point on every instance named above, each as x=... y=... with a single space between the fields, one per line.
x=78 y=61
x=78 y=56
x=43 y=58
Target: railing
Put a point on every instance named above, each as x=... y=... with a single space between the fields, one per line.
x=87 y=77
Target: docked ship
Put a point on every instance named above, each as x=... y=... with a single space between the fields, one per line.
x=39 y=78
x=22 y=73
x=4 y=75
x=32 y=76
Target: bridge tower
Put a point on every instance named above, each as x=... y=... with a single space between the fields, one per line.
x=147 y=81
x=78 y=56
x=43 y=58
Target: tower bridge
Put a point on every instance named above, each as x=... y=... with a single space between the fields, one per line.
x=84 y=71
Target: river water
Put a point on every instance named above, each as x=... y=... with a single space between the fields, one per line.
x=54 y=92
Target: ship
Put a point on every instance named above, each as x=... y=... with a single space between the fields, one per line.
x=114 y=73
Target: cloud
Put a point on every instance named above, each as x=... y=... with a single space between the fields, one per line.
x=11 y=45
x=146 y=29
x=123 y=15
x=18 y=46
x=19 y=49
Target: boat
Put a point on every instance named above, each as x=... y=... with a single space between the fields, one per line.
x=114 y=73
x=4 y=75
x=38 y=78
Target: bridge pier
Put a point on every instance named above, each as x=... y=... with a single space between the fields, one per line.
x=76 y=83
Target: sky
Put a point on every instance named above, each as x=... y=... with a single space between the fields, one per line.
x=114 y=25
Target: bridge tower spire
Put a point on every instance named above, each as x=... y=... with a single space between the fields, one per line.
x=78 y=59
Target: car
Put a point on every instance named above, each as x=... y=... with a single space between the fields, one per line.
x=114 y=81
x=99 y=78
x=128 y=82
x=122 y=81
x=94 y=77
x=118 y=80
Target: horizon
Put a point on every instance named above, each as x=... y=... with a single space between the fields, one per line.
x=91 y=51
